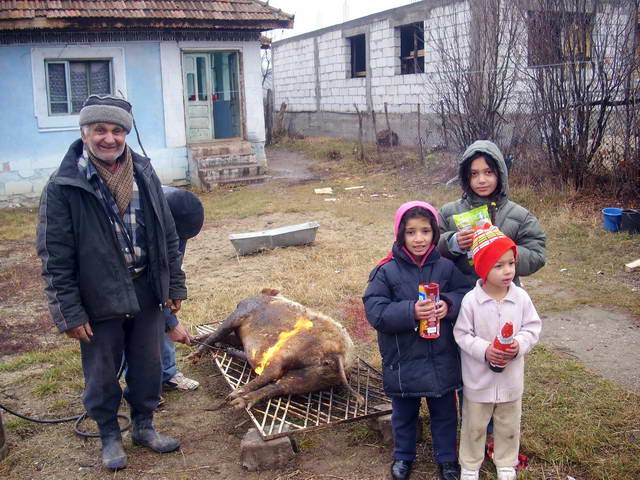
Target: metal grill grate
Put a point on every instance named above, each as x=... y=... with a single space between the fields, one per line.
x=283 y=415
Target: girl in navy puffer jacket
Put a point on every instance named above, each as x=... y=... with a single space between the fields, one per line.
x=415 y=367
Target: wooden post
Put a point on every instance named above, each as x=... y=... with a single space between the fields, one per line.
x=375 y=127
x=268 y=117
x=360 y=144
x=386 y=116
x=422 y=159
x=4 y=448
x=280 y=119
x=375 y=133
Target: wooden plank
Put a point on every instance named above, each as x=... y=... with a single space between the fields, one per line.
x=633 y=266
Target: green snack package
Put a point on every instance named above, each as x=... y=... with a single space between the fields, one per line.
x=475 y=219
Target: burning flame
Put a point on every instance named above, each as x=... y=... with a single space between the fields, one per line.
x=301 y=324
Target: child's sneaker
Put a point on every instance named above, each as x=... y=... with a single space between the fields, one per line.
x=469 y=474
x=506 y=473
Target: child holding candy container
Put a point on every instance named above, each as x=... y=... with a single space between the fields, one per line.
x=494 y=302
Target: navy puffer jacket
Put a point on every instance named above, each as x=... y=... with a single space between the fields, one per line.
x=414 y=366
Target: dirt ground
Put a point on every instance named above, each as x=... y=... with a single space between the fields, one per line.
x=211 y=439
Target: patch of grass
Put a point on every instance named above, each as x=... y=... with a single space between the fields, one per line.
x=582 y=257
x=60 y=405
x=577 y=421
x=47 y=386
x=17 y=224
x=64 y=375
x=335 y=156
x=307 y=441
x=574 y=423
x=16 y=424
x=58 y=356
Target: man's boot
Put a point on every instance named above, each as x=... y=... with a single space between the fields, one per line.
x=145 y=435
x=113 y=456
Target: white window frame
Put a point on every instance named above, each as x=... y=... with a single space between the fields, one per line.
x=39 y=56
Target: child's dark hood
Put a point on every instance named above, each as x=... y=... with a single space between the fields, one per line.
x=491 y=149
x=187 y=211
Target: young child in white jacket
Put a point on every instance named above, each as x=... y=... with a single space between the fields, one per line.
x=493 y=302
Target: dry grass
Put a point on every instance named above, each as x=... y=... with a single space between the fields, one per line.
x=583 y=259
x=574 y=422
x=17 y=224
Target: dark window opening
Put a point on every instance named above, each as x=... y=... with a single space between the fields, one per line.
x=556 y=38
x=358 y=56
x=412 y=48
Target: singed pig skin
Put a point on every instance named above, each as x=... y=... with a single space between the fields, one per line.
x=293 y=348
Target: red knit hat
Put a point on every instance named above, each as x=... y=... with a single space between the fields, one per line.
x=487 y=247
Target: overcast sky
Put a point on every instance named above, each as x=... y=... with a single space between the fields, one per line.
x=311 y=15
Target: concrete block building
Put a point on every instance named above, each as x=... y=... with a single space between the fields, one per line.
x=401 y=58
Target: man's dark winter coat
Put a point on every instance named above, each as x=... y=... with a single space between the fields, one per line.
x=414 y=366
x=86 y=278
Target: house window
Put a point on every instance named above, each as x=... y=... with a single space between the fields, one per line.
x=64 y=76
x=559 y=37
x=412 y=48
x=69 y=83
x=358 y=56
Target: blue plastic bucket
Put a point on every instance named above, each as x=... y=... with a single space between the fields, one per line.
x=612 y=217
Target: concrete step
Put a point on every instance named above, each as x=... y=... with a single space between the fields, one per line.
x=221 y=148
x=246 y=180
x=217 y=174
x=243 y=180
x=226 y=160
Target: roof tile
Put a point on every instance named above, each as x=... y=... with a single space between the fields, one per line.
x=18 y=14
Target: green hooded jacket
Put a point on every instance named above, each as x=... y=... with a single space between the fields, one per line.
x=515 y=221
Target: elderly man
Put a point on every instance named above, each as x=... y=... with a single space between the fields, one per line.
x=110 y=263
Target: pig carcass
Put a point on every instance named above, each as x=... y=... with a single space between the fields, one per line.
x=293 y=349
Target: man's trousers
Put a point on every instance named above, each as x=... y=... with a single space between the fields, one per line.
x=138 y=338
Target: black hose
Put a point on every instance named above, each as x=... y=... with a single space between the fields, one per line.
x=78 y=418
x=76 y=426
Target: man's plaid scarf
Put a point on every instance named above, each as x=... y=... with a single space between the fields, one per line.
x=129 y=226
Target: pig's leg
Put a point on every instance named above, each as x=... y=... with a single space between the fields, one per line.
x=225 y=329
x=298 y=381
x=271 y=373
x=234 y=352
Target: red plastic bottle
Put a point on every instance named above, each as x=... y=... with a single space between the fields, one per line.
x=502 y=342
x=429 y=328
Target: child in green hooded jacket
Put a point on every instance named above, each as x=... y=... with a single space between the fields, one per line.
x=485 y=183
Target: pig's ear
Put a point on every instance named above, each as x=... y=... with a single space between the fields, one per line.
x=270 y=291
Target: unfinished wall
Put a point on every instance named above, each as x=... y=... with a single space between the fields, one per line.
x=312 y=73
x=294 y=75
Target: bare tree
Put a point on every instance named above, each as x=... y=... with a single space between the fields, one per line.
x=266 y=67
x=476 y=49
x=580 y=57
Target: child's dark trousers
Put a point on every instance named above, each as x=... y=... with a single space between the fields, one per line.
x=444 y=422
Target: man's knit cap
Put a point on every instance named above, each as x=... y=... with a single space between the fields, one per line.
x=487 y=248
x=106 y=109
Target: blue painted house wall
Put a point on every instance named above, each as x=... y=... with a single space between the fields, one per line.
x=28 y=155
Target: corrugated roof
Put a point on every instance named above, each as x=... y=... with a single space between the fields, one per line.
x=61 y=14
